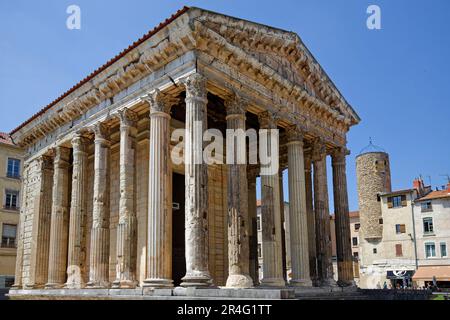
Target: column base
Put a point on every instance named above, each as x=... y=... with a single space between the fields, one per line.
x=74 y=285
x=342 y=283
x=124 y=284
x=273 y=282
x=197 y=280
x=239 y=281
x=157 y=283
x=328 y=283
x=301 y=283
x=54 y=286
x=98 y=285
x=34 y=286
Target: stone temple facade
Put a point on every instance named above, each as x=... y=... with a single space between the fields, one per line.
x=104 y=208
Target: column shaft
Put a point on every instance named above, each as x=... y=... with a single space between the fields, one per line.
x=126 y=241
x=41 y=225
x=238 y=245
x=196 y=176
x=298 y=221
x=311 y=220
x=342 y=220
x=270 y=208
x=59 y=220
x=99 y=246
x=322 y=216
x=159 y=258
x=253 y=227
x=76 y=269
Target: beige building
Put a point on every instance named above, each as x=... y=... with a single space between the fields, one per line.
x=10 y=187
x=109 y=209
x=432 y=226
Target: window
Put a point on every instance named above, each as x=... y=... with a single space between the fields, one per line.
x=258 y=223
x=443 y=249
x=400 y=228
x=259 y=250
x=380 y=221
x=398 y=250
x=397 y=201
x=13 y=168
x=426 y=206
x=355 y=241
x=11 y=199
x=9 y=235
x=374 y=250
x=356 y=255
x=357 y=226
x=428 y=225
x=430 y=250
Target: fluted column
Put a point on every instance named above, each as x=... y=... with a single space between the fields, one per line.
x=322 y=215
x=310 y=219
x=238 y=245
x=196 y=176
x=270 y=211
x=99 y=246
x=76 y=268
x=41 y=225
x=159 y=241
x=18 y=283
x=298 y=221
x=342 y=220
x=126 y=241
x=59 y=229
x=253 y=226
x=283 y=226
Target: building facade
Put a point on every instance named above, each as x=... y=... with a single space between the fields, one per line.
x=107 y=203
x=432 y=226
x=11 y=161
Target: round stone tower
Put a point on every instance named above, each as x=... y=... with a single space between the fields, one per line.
x=374 y=177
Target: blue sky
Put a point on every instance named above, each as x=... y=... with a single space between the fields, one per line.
x=396 y=78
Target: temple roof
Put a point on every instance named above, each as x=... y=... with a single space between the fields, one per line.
x=261 y=45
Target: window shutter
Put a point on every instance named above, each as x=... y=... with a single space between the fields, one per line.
x=398 y=250
x=402 y=228
x=390 y=203
x=404 y=204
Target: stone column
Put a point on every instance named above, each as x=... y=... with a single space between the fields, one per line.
x=342 y=220
x=76 y=268
x=238 y=245
x=310 y=219
x=270 y=210
x=253 y=226
x=99 y=246
x=59 y=220
x=322 y=216
x=18 y=284
x=159 y=241
x=298 y=220
x=283 y=226
x=127 y=228
x=196 y=175
x=41 y=225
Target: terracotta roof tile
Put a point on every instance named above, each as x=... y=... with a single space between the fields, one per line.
x=147 y=36
x=436 y=195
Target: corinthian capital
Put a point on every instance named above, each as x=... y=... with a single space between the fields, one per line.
x=295 y=133
x=267 y=120
x=160 y=102
x=195 y=86
x=319 y=150
x=338 y=154
x=101 y=131
x=236 y=105
x=127 y=117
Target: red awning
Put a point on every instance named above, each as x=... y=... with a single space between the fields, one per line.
x=442 y=273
